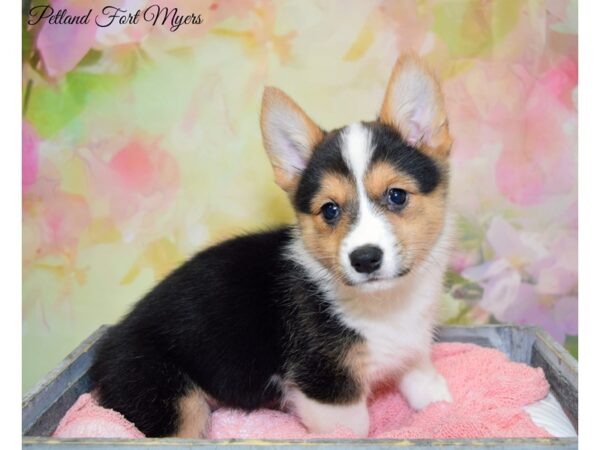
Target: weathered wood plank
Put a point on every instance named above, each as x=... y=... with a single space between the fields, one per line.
x=513 y=340
x=313 y=444
x=561 y=372
x=50 y=399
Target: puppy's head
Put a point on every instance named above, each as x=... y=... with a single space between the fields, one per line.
x=370 y=197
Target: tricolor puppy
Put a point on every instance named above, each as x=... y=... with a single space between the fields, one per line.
x=310 y=316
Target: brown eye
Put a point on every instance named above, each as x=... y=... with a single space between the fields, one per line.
x=331 y=212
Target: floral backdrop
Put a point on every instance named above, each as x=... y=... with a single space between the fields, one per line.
x=141 y=145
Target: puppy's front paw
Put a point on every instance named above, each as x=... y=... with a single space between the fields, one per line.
x=424 y=386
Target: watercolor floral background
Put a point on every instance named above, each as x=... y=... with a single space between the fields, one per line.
x=142 y=145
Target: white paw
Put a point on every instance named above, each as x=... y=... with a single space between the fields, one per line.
x=421 y=387
x=324 y=418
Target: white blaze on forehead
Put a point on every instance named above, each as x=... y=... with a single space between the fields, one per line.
x=371 y=227
x=357 y=150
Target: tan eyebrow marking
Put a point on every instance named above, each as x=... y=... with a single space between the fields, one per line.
x=382 y=176
x=334 y=187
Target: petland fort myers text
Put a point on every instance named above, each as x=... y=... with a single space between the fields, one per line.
x=112 y=15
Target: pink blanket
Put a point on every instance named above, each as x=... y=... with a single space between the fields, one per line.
x=489 y=394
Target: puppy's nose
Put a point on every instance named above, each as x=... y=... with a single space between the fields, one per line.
x=366 y=259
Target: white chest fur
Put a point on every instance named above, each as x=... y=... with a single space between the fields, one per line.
x=396 y=323
x=397 y=319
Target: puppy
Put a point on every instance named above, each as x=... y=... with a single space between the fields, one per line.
x=307 y=317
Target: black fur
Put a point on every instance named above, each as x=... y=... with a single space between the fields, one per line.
x=327 y=157
x=390 y=147
x=228 y=321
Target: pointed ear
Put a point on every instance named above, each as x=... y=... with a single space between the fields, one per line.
x=289 y=136
x=414 y=105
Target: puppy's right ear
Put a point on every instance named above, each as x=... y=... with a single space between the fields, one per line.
x=289 y=136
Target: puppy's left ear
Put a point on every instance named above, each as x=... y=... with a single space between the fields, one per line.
x=289 y=137
x=414 y=105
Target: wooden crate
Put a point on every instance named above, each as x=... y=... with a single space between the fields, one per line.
x=45 y=404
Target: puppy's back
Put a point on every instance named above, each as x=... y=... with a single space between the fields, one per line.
x=213 y=323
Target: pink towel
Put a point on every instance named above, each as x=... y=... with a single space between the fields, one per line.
x=87 y=419
x=489 y=394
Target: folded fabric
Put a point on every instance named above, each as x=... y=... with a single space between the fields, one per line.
x=87 y=419
x=489 y=392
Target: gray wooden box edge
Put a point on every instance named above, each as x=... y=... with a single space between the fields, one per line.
x=36 y=443
x=47 y=402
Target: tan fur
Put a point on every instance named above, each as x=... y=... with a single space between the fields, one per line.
x=440 y=141
x=284 y=180
x=356 y=359
x=384 y=176
x=194 y=414
x=334 y=188
x=275 y=98
x=417 y=226
x=322 y=240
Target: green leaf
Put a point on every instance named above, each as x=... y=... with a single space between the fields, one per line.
x=26 y=39
x=90 y=58
x=472 y=28
x=52 y=107
x=572 y=346
x=451 y=309
x=454 y=278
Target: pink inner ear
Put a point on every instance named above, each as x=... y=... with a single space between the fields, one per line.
x=291 y=159
x=420 y=118
x=415 y=132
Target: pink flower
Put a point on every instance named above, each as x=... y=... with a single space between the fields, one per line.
x=557 y=316
x=506 y=242
x=530 y=130
x=62 y=46
x=526 y=282
x=537 y=158
x=500 y=283
x=461 y=259
x=138 y=179
x=55 y=219
x=561 y=79
x=29 y=156
x=65 y=217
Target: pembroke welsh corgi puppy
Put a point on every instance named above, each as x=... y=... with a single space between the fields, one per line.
x=307 y=317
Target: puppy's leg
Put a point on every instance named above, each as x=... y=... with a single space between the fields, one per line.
x=422 y=385
x=320 y=417
x=193 y=414
x=156 y=396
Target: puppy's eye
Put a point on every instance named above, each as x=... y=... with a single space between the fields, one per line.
x=330 y=212
x=397 y=198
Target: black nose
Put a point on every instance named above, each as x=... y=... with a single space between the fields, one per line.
x=366 y=259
